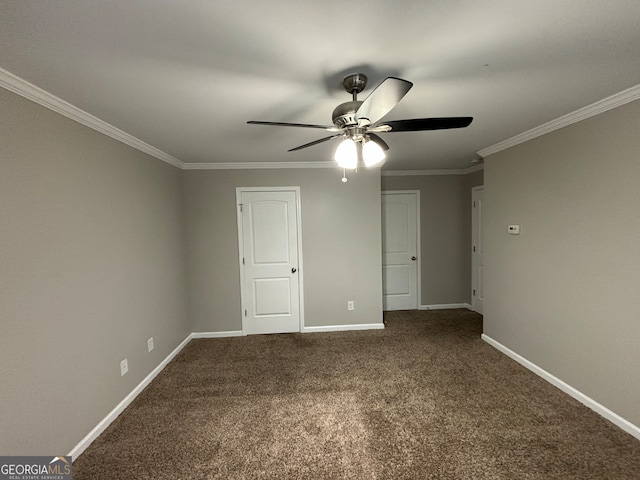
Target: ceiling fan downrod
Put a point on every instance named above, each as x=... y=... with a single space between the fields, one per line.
x=344 y=114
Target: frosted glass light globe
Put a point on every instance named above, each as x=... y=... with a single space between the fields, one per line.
x=372 y=153
x=346 y=154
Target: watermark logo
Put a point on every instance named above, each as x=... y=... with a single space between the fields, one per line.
x=35 y=468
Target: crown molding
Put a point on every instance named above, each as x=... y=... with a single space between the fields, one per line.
x=601 y=106
x=411 y=173
x=475 y=168
x=29 y=91
x=256 y=165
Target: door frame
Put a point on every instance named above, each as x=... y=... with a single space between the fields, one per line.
x=418 y=244
x=474 y=301
x=243 y=294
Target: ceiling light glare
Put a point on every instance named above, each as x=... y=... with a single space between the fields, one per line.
x=347 y=154
x=372 y=153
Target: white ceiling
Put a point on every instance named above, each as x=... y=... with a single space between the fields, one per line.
x=185 y=76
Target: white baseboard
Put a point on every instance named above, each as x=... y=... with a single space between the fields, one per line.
x=113 y=414
x=342 y=328
x=444 y=306
x=589 y=402
x=232 y=333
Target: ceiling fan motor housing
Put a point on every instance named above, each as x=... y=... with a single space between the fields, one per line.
x=345 y=114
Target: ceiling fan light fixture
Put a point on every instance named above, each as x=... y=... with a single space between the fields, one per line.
x=357 y=122
x=347 y=154
x=372 y=153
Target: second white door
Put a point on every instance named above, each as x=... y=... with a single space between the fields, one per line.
x=268 y=228
x=400 y=250
x=477 y=250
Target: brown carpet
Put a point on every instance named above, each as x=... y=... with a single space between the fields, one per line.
x=425 y=398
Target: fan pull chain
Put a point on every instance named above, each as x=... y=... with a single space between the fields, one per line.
x=344 y=175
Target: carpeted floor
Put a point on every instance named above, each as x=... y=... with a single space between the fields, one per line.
x=425 y=398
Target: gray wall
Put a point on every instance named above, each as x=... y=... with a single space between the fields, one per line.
x=341 y=244
x=445 y=233
x=564 y=293
x=92 y=263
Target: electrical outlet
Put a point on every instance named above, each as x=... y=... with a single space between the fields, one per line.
x=150 y=344
x=124 y=367
x=351 y=305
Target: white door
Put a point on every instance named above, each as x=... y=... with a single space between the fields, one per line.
x=268 y=229
x=477 y=250
x=400 y=250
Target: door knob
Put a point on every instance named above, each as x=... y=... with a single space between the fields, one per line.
x=293 y=270
x=413 y=258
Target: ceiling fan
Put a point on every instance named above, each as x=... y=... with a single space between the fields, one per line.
x=358 y=122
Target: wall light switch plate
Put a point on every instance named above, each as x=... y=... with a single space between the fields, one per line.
x=124 y=367
x=513 y=229
x=150 y=344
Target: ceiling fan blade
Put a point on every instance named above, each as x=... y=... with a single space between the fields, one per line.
x=330 y=128
x=376 y=139
x=419 y=124
x=315 y=142
x=383 y=98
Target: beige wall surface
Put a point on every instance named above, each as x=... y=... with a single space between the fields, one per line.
x=564 y=293
x=341 y=244
x=445 y=233
x=92 y=264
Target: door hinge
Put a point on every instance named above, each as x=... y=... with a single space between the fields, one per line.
x=243 y=259
x=245 y=312
x=240 y=205
x=474 y=249
x=474 y=204
x=474 y=293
